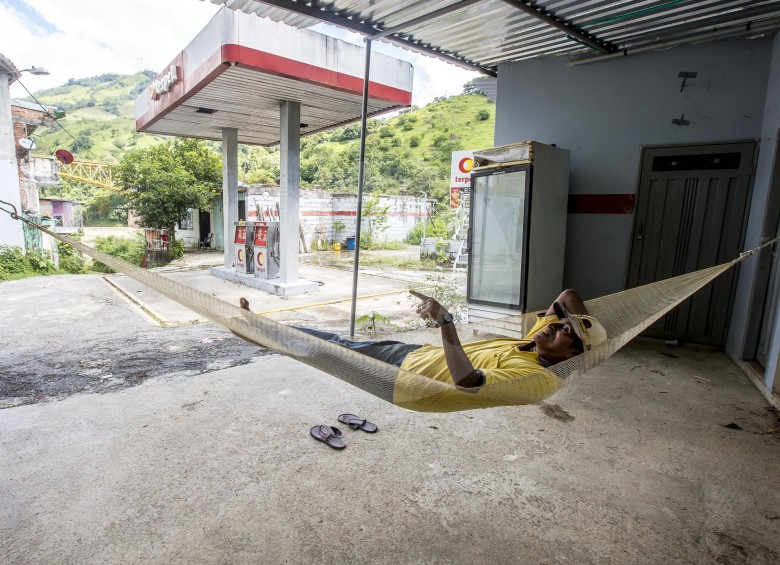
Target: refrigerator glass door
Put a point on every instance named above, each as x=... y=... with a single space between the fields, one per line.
x=499 y=221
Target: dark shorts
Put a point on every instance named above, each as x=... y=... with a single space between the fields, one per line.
x=393 y=352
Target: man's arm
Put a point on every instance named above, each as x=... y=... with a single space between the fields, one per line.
x=463 y=372
x=570 y=300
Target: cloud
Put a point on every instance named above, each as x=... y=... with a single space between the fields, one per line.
x=33 y=20
x=91 y=38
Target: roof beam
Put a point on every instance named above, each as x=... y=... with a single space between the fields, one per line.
x=457 y=7
x=369 y=30
x=551 y=19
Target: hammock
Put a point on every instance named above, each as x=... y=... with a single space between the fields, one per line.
x=624 y=315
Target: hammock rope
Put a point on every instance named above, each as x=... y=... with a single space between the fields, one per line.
x=624 y=314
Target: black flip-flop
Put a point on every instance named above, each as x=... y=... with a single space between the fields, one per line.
x=358 y=423
x=328 y=435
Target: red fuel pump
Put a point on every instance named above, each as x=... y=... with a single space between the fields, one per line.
x=244 y=248
x=266 y=249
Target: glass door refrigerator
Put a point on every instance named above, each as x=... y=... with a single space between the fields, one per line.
x=517 y=235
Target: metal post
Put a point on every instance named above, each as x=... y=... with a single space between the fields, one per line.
x=229 y=191
x=290 y=165
x=425 y=211
x=361 y=159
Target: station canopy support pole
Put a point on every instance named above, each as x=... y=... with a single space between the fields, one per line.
x=229 y=191
x=361 y=161
x=290 y=161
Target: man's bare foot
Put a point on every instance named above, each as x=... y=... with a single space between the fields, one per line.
x=244 y=303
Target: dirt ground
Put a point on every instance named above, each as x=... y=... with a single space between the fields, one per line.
x=69 y=334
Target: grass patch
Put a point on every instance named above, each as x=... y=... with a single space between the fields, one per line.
x=16 y=265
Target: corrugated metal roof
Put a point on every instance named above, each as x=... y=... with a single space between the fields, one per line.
x=487 y=33
x=31 y=106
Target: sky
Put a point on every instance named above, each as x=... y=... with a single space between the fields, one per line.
x=83 y=38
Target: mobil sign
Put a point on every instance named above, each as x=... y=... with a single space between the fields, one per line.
x=460 y=176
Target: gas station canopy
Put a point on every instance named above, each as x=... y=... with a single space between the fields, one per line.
x=239 y=68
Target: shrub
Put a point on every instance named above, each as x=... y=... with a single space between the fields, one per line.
x=483 y=115
x=12 y=260
x=41 y=262
x=439 y=140
x=414 y=141
x=444 y=290
x=71 y=261
x=439 y=227
x=127 y=249
x=370 y=322
x=177 y=248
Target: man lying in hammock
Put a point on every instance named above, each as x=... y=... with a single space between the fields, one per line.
x=563 y=331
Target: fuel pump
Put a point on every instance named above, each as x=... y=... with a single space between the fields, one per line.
x=266 y=247
x=244 y=248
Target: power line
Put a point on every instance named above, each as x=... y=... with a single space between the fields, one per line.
x=56 y=121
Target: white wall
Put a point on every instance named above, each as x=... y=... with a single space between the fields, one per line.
x=758 y=223
x=605 y=112
x=11 y=231
x=319 y=209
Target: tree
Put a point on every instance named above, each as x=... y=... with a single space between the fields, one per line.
x=375 y=219
x=164 y=181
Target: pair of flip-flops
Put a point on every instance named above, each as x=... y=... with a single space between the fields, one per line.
x=331 y=435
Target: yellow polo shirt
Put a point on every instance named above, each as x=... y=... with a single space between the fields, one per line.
x=511 y=376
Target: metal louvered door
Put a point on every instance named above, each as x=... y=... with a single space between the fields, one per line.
x=691 y=212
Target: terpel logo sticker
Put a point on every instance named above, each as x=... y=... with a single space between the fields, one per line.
x=465 y=165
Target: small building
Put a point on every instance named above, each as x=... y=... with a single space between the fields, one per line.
x=66 y=213
x=34 y=172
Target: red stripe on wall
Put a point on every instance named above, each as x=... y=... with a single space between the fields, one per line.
x=219 y=61
x=601 y=203
x=353 y=213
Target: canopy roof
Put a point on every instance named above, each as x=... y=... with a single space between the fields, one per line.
x=481 y=34
x=239 y=68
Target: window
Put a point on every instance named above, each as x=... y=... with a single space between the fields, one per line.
x=186 y=223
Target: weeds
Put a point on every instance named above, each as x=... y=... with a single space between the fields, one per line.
x=15 y=264
x=127 y=249
x=445 y=290
x=370 y=322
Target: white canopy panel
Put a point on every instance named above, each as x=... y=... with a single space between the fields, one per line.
x=239 y=68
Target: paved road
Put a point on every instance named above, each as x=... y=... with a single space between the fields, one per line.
x=66 y=334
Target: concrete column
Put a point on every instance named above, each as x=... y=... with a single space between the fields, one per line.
x=11 y=231
x=290 y=199
x=229 y=191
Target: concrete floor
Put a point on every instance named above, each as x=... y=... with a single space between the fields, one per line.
x=633 y=463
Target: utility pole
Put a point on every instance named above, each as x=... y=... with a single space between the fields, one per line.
x=11 y=231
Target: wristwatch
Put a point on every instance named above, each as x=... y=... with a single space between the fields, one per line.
x=446 y=319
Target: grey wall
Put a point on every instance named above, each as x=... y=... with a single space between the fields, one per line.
x=605 y=112
x=758 y=225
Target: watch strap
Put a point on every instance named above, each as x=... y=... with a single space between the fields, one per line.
x=446 y=319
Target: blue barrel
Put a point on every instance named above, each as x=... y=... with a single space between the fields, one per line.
x=351 y=243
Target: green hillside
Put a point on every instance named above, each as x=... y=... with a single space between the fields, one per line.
x=100 y=114
x=409 y=152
